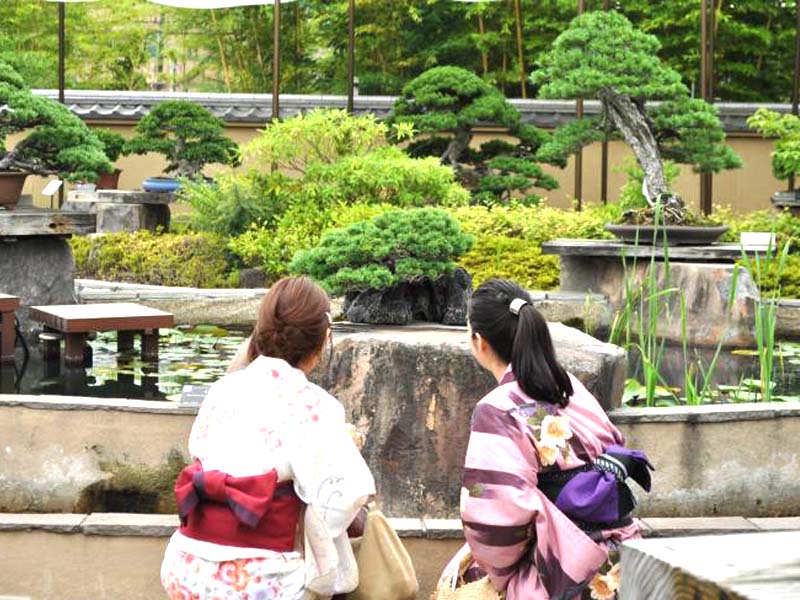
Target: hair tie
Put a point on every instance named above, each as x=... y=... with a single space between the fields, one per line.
x=516 y=305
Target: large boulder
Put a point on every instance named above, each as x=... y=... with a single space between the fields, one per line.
x=444 y=300
x=412 y=392
x=40 y=271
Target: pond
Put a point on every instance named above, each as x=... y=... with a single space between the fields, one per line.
x=735 y=377
x=187 y=355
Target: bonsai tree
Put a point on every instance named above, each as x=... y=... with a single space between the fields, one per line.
x=188 y=136
x=392 y=248
x=57 y=142
x=113 y=144
x=453 y=101
x=786 y=128
x=602 y=56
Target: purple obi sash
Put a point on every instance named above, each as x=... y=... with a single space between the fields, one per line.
x=596 y=495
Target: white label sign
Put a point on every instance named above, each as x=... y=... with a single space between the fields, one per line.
x=51 y=187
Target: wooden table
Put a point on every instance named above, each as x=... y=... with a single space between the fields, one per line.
x=8 y=304
x=75 y=321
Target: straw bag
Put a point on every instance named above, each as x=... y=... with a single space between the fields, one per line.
x=477 y=590
x=385 y=571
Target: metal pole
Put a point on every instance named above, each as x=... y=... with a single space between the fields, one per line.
x=520 y=48
x=706 y=88
x=351 y=50
x=796 y=82
x=579 y=153
x=62 y=68
x=276 y=60
x=62 y=49
x=604 y=152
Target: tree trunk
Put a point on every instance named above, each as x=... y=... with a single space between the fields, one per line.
x=634 y=128
x=456 y=147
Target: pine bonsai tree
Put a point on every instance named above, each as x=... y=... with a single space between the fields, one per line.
x=113 y=143
x=394 y=247
x=187 y=134
x=602 y=56
x=58 y=142
x=453 y=101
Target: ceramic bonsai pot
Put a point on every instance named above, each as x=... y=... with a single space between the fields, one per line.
x=11 y=184
x=677 y=235
x=163 y=185
x=109 y=181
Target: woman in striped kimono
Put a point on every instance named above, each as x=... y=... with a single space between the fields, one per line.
x=544 y=498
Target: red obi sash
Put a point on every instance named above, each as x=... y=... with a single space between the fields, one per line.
x=247 y=512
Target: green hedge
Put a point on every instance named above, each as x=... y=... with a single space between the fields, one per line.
x=193 y=260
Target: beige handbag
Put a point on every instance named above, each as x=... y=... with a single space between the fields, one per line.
x=477 y=590
x=385 y=571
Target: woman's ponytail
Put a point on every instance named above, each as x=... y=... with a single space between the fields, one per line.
x=533 y=360
x=502 y=312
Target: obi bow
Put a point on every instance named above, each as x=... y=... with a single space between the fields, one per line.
x=248 y=497
x=598 y=492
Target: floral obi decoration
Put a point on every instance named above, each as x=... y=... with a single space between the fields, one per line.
x=248 y=512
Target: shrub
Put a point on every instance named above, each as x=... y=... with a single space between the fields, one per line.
x=319 y=136
x=195 y=260
x=234 y=202
x=511 y=258
x=188 y=136
x=386 y=175
x=113 y=143
x=391 y=248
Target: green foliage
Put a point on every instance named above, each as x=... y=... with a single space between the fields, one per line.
x=603 y=49
x=57 y=142
x=786 y=128
x=234 y=202
x=385 y=175
x=113 y=143
x=452 y=101
x=188 y=136
x=602 y=52
x=392 y=248
x=689 y=132
x=196 y=260
x=511 y=258
x=319 y=136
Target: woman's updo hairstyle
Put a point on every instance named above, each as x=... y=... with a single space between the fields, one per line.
x=293 y=321
x=522 y=340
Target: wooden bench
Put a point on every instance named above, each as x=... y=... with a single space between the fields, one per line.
x=8 y=304
x=75 y=321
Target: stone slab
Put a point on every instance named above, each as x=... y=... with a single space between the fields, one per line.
x=674 y=527
x=79 y=403
x=52 y=522
x=119 y=197
x=609 y=248
x=114 y=218
x=736 y=567
x=129 y=524
x=706 y=413
x=777 y=524
x=20 y=223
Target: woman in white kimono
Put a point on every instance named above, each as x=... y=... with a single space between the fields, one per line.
x=277 y=478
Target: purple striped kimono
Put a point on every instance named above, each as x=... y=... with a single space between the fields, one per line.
x=527 y=545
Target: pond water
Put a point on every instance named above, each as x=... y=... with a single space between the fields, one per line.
x=735 y=377
x=196 y=356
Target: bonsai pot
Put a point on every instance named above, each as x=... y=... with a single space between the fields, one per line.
x=162 y=185
x=109 y=181
x=11 y=184
x=788 y=199
x=677 y=235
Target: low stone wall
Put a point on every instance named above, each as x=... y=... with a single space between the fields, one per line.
x=78 y=455
x=739 y=459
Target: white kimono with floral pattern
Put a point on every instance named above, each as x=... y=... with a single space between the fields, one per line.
x=269 y=416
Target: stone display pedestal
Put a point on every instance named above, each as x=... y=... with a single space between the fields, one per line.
x=731 y=567
x=36 y=261
x=123 y=210
x=704 y=274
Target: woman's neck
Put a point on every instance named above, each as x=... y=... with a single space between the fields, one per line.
x=499 y=369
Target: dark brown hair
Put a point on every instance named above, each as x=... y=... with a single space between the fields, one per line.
x=293 y=321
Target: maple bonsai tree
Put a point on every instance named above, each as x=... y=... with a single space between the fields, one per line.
x=187 y=135
x=448 y=103
x=602 y=56
x=57 y=142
